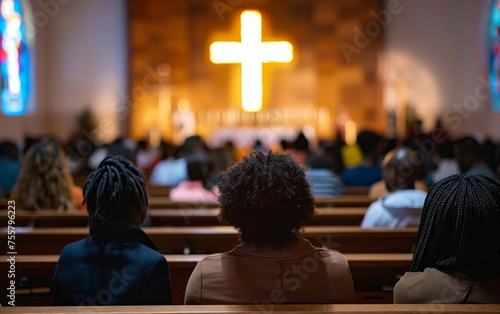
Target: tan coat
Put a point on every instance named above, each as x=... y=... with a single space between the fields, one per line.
x=434 y=286
x=300 y=273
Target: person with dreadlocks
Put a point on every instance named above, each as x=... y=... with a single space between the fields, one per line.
x=118 y=264
x=457 y=255
x=268 y=199
x=45 y=182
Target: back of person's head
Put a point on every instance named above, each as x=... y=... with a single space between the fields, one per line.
x=28 y=142
x=368 y=142
x=192 y=145
x=489 y=150
x=221 y=159
x=400 y=169
x=467 y=152
x=284 y=144
x=460 y=227
x=319 y=162
x=142 y=145
x=267 y=198
x=119 y=148
x=116 y=190
x=333 y=151
x=445 y=149
x=8 y=149
x=301 y=142
x=44 y=181
x=199 y=167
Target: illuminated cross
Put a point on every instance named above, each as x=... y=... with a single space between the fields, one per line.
x=251 y=52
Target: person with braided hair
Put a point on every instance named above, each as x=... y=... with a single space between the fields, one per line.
x=119 y=264
x=44 y=181
x=268 y=199
x=457 y=256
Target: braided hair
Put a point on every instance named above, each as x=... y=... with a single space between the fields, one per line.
x=44 y=181
x=115 y=189
x=460 y=227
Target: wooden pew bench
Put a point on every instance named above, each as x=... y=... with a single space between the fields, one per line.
x=156 y=201
x=285 y=308
x=372 y=274
x=344 y=216
x=356 y=190
x=338 y=201
x=175 y=240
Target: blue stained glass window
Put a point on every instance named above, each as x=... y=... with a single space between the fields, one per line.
x=494 y=54
x=14 y=58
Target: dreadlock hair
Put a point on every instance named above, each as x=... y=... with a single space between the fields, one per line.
x=267 y=198
x=460 y=227
x=44 y=181
x=114 y=190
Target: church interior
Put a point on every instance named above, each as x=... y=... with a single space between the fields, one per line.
x=359 y=117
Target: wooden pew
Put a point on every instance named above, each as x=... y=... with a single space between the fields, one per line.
x=165 y=202
x=371 y=273
x=175 y=240
x=158 y=190
x=356 y=190
x=342 y=216
x=338 y=201
x=260 y=308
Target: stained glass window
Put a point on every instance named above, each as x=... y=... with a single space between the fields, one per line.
x=14 y=58
x=494 y=35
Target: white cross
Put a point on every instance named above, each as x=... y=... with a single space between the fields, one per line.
x=251 y=52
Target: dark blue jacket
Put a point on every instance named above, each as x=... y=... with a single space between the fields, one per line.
x=118 y=265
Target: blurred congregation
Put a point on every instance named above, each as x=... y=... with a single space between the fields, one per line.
x=250 y=156
x=193 y=169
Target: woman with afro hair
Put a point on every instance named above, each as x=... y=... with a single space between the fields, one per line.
x=268 y=199
x=457 y=256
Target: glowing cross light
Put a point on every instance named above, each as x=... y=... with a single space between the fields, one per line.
x=251 y=52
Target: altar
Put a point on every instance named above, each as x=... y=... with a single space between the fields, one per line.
x=246 y=137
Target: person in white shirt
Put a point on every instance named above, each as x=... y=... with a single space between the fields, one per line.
x=402 y=206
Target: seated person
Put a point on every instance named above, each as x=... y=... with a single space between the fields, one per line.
x=268 y=199
x=9 y=167
x=369 y=171
x=458 y=247
x=300 y=149
x=324 y=182
x=199 y=168
x=469 y=154
x=447 y=165
x=173 y=170
x=45 y=182
x=402 y=207
x=118 y=264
